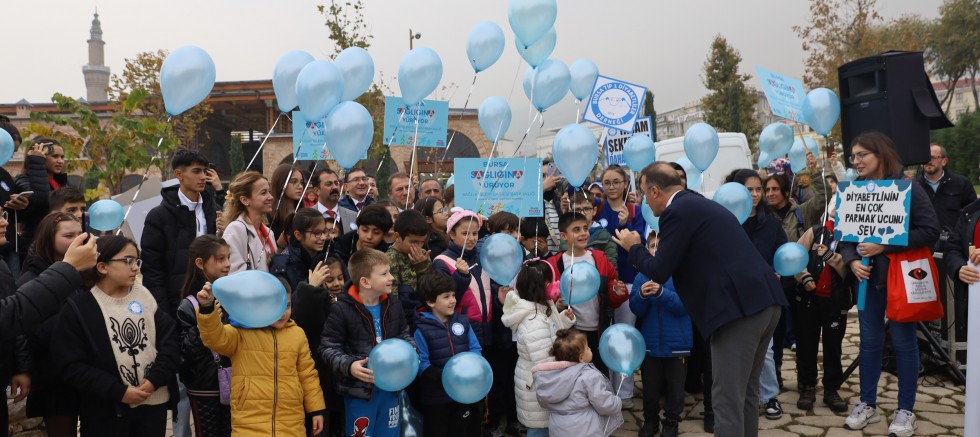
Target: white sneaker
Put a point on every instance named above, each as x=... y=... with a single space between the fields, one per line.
x=861 y=416
x=903 y=425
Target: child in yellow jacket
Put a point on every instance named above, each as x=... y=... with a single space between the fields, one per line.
x=274 y=383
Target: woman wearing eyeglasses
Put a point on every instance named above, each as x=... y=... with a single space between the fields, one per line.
x=304 y=255
x=436 y=214
x=117 y=349
x=874 y=157
x=287 y=190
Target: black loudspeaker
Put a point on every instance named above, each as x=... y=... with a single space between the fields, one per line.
x=890 y=93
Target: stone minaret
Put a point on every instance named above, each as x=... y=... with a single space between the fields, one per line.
x=96 y=73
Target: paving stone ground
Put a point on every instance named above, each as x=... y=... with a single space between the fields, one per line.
x=939 y=405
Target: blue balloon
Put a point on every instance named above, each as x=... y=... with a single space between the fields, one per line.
x=584 y=74
x=774 y=141
x=538 y=52
x=467 y=377
x=549 y=84
x=484 y=45
x=736 y=198
x=348 y=131
x=694 y=175
x=319 y=87
x=105 y=215
x=701 y=145
x=531 y=19
x=652 y=220
x=639 y=152
x=528 y=82
x=284 y=78
x=494 y=117
x=6 y=147
x=501 y=257
x=419 y=74
x=622 y=348
x=581 y=281
x=451 y=181
x=850 y=175
x=791 y=258
x=395 y=364
x=357 y=67
x=575 y=151
x=186 y=78
x=797 y=156
x=252 y=298
x=821 y=108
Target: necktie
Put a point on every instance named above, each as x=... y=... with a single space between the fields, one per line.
x=360 y=205
x=332 y=214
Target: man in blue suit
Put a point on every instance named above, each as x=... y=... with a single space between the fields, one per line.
x=730 y=292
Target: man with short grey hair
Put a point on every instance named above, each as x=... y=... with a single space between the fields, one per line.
x=948 y=192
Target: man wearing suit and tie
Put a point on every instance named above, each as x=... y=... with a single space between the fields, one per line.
x=730 y=292
x=328 y=191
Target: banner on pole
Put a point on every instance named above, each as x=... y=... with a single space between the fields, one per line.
x=874 y=212
x=784 y=94
x=615 y=139
x=614 y=103
x=432 y=117
x=507 y=184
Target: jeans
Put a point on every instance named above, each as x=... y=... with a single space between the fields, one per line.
x=182 y=421
x=872 y=342
x=768 y=384
x=537 y=432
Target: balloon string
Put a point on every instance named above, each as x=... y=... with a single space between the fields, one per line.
x=306 y=186
x=578 y=111
x=621 y=380
x=513 y=83
x=262 y=144
x=283 y=192
x=326 y=249
x=415 y=148
x=391 y=140
x=519 y=145
x=146 y=173
x=453 y=136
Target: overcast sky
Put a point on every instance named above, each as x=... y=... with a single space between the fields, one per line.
x=655 y=43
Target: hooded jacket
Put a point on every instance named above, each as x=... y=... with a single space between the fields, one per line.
x=535 y=335
x=274 y=384
x=473 y=293
x=666 y=327
x=580 y=398
x=169 y=229
x=15 y=357
x=348 y=336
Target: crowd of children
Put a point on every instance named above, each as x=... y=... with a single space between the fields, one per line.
x=133 y=343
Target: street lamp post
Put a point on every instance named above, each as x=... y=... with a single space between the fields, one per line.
x=412 y=36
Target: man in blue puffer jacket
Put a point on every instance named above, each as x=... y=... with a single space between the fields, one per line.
x=668 y=334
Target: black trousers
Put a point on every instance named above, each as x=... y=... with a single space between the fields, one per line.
x=816 y=315
x=211 y=419
x=785 y=333
x=593 y=340
x=452 y=420
x=501 y=400
x=143 y=421
x=658 y=373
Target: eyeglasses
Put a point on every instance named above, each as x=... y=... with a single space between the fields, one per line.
x=130 y=261
x=613 y=183
x=584 y=208
x=936 y=158
x=442 y=210
x=859 y=156
x=318 y=234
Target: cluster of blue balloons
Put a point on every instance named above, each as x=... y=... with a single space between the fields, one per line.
x=252 y=298
x=105 y=215
x=622 y=348
x=579 y=283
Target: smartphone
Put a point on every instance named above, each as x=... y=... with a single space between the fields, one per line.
x=85 y=228
x=213 y=167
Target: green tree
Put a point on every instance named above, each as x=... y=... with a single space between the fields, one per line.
x=730 y=105
x=955 y=45
x=111 y=149
x=961 y=143
x=347 y=29
x=236 y=155
x=648 y=109
x=143 y=73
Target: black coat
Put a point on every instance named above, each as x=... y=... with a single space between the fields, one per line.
x=169 y=229
x=8 y=188
x=311 y=305
x=38 y=300
x=294 y=265
x=198 y=369
x=954 y=193
x=717 y=271
x=348 y=336
x=958 y=247
x=35 y=179
x=15 y=357
x=43 y=372
x=345 y=245
x=88 y=364
x=768 y=235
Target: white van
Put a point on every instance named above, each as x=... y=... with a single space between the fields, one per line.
x=733 y=154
